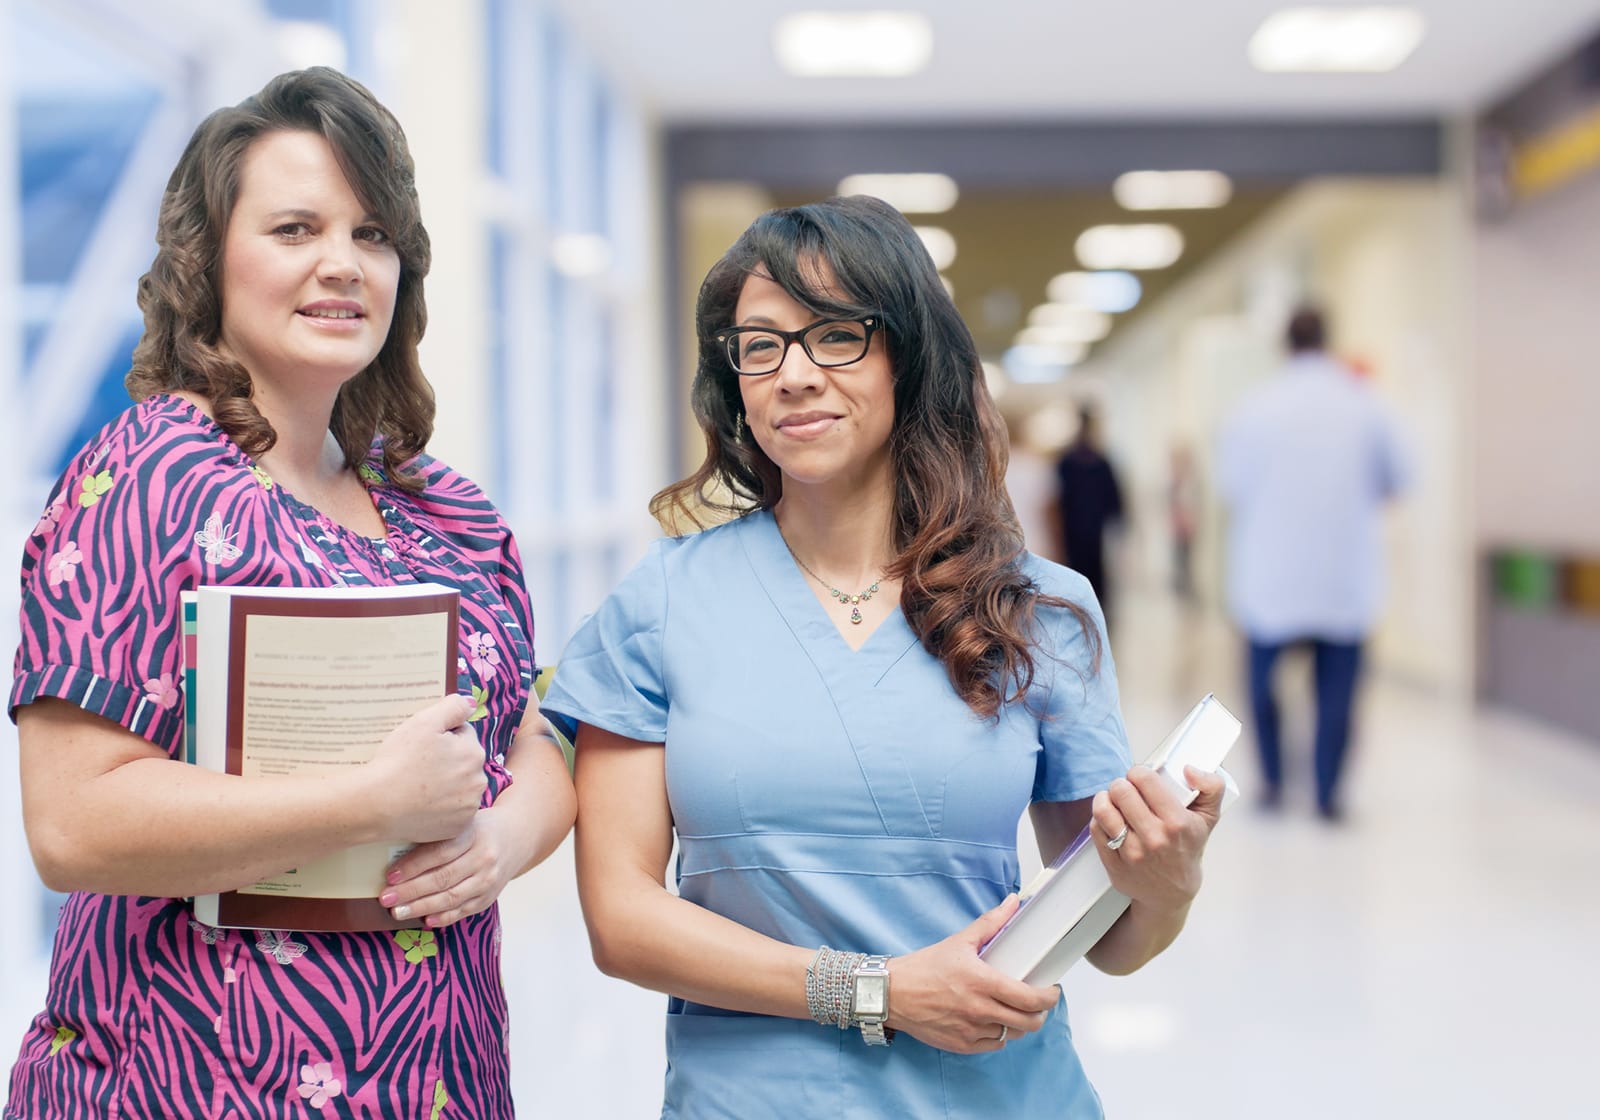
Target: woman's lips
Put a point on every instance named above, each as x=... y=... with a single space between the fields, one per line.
x=807 y=425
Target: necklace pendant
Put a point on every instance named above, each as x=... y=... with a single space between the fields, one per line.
x=855 y=615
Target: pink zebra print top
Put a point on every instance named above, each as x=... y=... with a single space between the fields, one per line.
x=149 y=1013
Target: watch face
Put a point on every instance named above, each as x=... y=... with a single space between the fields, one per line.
x=870 y=995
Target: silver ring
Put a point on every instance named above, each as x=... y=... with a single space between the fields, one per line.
x=1116 y=841
x=1004 y=1030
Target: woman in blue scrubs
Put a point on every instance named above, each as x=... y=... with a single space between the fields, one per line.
x=840 y=702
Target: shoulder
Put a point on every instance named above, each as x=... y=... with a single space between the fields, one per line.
x=150 y=449
x=153 y=430
x=1057 y=580
x=450 y=500
x=705 y=546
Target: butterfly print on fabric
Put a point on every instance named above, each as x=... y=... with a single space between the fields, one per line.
x=217 y=539
x=284 y=949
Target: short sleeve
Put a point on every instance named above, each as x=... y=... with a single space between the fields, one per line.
x=611 y=675
x=99 y=621
x=1084 y=745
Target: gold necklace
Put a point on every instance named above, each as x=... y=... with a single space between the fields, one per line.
x=845 y=598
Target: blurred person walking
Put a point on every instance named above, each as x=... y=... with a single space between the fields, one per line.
x=1183 y=517
x=1305 y=466
x=1090 y=501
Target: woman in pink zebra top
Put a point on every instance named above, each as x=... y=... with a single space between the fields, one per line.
x=277 y=438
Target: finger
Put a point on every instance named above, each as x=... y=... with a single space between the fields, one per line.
x=1130 y=802
x=1211 y=788
x=427 y=857
x=1164 y=796
x=446 y=713
x=435 y=880
x=988 y=923
x=1012 y=998
x=458 y=899
x=1106 y=818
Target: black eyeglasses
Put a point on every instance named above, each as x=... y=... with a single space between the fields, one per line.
x=753 y=351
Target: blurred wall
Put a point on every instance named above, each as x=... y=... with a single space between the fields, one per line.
x=1537 y=331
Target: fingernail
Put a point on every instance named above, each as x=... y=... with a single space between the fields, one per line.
x=401 y=913
x=393 y=877
x=387 y=898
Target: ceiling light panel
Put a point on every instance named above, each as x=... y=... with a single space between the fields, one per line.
x=1172 y=190
x=919 y=193
x=1139 y=246
x=1113 y=291
x=1336 y=40
x=1070 y=322
x=1063 y=344
x=876 y=44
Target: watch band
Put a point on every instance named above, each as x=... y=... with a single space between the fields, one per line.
x=869 y=1000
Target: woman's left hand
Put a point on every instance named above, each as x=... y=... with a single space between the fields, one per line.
x=447 y=880
x=1157 y=862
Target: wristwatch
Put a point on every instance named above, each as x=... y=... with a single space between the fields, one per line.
x=869 y=999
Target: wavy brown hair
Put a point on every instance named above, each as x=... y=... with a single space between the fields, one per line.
x=958 y=546
x=181 y=295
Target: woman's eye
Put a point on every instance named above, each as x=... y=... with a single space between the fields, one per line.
x=374 y=234
x=759 y=344
x=292 y=229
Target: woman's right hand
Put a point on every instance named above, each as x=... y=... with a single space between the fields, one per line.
x=427 y=776
x=946 y=995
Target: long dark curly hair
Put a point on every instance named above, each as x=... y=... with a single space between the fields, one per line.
x=181 y=295
x=958 y=546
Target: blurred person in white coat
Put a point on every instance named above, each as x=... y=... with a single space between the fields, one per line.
x=1306 y=464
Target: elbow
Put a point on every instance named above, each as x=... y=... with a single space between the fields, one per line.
x=57 y=858
x=610 y=957
x=615 y=947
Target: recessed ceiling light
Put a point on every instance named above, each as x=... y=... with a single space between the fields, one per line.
x=1062 y=345
x=879 y=44
x=940 y=243
x=1103 y=291
x=1172 y=190
x=1033 y=364
x=1336 y=40
x=918 y=193
x=1141 y=246
x=1071 y=322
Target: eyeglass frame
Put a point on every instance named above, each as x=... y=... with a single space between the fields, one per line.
x=871 y=323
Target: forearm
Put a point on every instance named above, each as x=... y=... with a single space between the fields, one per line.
x=168 y=829
x=646 y=935
x=1139 y=936
x=539 y=805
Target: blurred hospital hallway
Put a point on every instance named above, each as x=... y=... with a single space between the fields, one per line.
x=1126 y=203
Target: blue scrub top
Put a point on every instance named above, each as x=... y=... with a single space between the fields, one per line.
x=830 y=796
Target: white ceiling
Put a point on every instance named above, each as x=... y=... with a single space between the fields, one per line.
x=712 y=60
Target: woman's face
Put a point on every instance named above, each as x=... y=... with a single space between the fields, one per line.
x=820 y=425
x=308 y=276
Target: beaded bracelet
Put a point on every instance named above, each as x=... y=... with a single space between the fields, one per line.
x=829 y=983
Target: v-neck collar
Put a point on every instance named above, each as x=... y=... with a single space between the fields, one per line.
x=786 y=586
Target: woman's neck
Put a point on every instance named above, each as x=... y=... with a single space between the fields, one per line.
x=848 y=538
x=306 y=451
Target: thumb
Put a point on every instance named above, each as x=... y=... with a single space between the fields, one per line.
x=1210 y=788
x=988 y=924
x=446 y=713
